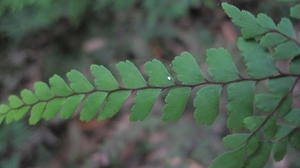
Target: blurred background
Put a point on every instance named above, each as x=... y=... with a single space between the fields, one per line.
x=39 y=38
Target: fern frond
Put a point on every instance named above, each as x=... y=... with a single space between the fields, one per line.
x=103 y=98
x=65 y=98
x=107 y=95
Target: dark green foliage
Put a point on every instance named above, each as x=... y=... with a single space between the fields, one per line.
x=105 y=95
x=13 y=137
x=22 y=17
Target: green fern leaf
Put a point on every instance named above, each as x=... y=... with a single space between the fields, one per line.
x=293 y=117
x=176 y=101
x=207 y=104
x=283 y=131
x=144 y=101
x=114 y=103
x=261 y=157
x=4 y=108
x=3 y=111
x=294 y=66
x=104 y=80
x=234 y=141
x=59 y=86
x=240 y=106
x=245 y=20
x=286 y=50
x=285 y=107
x=158 y=74
x=266 y=102
x=229 y=159
x=131 y=76
x=42 y=91
x=78 y=82
x=271 y=128
x=220 y=65
x=259 y=63
x=19 y=114
x=265 y=21
x=285 y=26
x=2 y=118
x=10 y=116
x=280 y=86
x=53 y=107
x=253 y=145
x=271 y=39
x=187 y=70
x=14 y=101
x=253 y=122
x=295 y=139
x=37 y=113
x=91 y=105
x=70 y=106
x=279 y=149
x=28 y=97
x=295 y=11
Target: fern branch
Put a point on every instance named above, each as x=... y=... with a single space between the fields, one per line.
x=281 y=75
x=261 y=126
x=265 y=121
